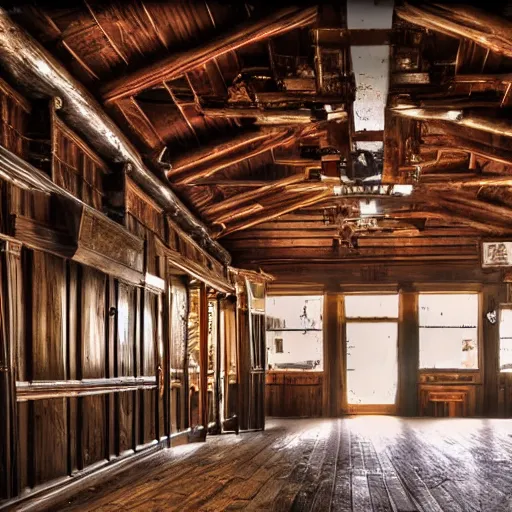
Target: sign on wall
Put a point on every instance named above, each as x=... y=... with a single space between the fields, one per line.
x=497 y=254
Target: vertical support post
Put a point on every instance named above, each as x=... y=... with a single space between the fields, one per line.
x=244 y=358
x=10 y=333
x=203 y=348
x=334 y=388
x=408 y=354
x=219 y=367
x=492 y=295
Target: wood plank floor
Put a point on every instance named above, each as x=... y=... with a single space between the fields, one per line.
x=353 y=464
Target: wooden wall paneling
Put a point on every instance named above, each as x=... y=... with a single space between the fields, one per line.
x=11 y=336
x=14 y=117
x=165 y=340
x=408 y=354
x=48 y=308
x=162 y=370
x=110 y=339
x=48 y=425
x=75 y=167
x=74 y=359
x=138 y=404
x=125 y=356
x=492 y=296
x=93 y=431
x=94 y=344
x=294 y=394
x=334 y=384
x=92 y=410
x=149 y=366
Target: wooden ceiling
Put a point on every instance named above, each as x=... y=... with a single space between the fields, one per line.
x=249 y=112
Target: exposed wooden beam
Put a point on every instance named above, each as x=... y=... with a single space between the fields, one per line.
x=179 y=63
x=244 y=197
x=295 y=204
x=368 y=136
x=466 y=118
x=270 y=116
x=291 y=97
x=481 y=215
x=310 y=254
x=368 y=241
x=299 y=162
x=491 y=32
x=465 y=181
x=278 y=139
x=241 y=212
x=229 y=183
x=456 y=143
x=452 y=215
x=31 y=66
x=217 y=150
x=496 y=79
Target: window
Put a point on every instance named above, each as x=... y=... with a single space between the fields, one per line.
x=506 y=340
x=373 y=306
x=448 y=331
x=371 y=330
x=294 y=332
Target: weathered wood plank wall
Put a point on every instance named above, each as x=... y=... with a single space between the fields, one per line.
x=93 y=314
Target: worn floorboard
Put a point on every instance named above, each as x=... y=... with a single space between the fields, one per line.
x=335 y=465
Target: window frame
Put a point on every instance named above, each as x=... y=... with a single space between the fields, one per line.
x=504 y=305
x=306 y=293
x=479 y=326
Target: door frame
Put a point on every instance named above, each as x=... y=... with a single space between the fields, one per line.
x=385 y=409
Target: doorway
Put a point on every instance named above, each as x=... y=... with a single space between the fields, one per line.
x=371 y=334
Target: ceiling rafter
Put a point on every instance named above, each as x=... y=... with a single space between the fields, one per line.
x=216 y=150
x=484 y=29
x=244 y=197
x=276 y=139
x=466 y=118
x=294 y=204
x=177 y=64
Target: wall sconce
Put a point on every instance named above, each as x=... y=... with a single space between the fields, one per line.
x=492 y=317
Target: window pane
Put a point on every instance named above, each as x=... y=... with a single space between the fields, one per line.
x=372 y=362
x=298 y=350
x=448 y=309
x=371 y=306
x=506 y=340
x=448 y=348
x=294 y=312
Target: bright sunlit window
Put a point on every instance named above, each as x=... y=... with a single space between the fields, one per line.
x=448 y=330
x=506 y=340
x=371 y=328
x=294 y=332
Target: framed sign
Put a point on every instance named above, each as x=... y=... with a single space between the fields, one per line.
x=496 y=254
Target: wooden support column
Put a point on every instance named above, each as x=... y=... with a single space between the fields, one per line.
x=203 y=347
x=334 y=383
x=10 y=337
x=492 y=295
x=408 y=354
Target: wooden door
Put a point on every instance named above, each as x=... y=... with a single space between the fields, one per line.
x=178 y=308
x=252 y=356
x=194 y=358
